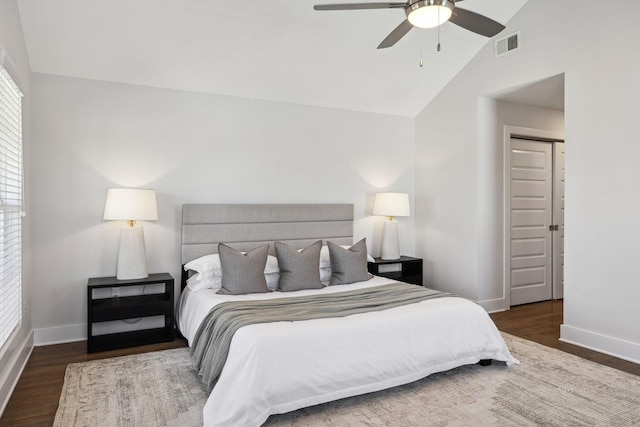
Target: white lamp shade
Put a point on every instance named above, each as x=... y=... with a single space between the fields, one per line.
x=131 y=204
x=391 y=204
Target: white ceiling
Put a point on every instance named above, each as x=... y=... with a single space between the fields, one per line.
x=280 y=50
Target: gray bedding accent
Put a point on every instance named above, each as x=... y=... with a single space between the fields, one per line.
x=348 y=265
x=245 y=226
x=299 y=270
x=243 y=273
x=211 y=343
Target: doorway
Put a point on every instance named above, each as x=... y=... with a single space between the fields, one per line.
x=534 y=217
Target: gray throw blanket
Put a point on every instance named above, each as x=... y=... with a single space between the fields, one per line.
x=213 y=338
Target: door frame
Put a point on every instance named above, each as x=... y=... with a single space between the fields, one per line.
x=509 y=132
x=558 y=208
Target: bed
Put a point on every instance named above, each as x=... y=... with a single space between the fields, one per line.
x=280 y=366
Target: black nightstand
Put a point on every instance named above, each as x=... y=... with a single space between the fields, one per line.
x=410 y=269
x=129 y=307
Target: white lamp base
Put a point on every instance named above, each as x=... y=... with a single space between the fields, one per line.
x=390 y=241
x=132 y=254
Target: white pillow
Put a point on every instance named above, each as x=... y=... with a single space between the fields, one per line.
x=325 y=275
x=209 y=272
x=273 y=279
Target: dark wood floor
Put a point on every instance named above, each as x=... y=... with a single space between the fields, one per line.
x=35 y=399
x=540 y=322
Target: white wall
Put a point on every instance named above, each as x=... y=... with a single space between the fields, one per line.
x=190 y=148
x=602 y=99
x=14 y=354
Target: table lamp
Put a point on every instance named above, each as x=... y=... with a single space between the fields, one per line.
x=390 y=205
x=131 y=205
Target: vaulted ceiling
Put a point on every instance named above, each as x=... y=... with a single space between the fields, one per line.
x=279 y=50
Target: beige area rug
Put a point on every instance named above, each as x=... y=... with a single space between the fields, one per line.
x=548 y=388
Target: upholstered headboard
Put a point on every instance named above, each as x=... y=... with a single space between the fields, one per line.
x=245 y=226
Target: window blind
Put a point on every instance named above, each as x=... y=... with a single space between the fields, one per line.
x=10 y=206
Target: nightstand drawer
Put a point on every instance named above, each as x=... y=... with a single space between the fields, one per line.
x=130 y=307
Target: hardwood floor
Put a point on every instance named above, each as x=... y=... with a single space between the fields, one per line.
x=540 y=322
x=35 y=399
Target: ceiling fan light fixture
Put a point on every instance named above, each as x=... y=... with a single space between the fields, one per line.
x=429 y=13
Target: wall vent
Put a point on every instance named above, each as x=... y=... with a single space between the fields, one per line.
x=508 y=44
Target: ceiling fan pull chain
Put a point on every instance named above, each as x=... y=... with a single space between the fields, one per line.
x=421 y=61
x=439 y=30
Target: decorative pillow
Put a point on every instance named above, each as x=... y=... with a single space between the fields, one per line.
x=325 y=264
x=299 y=269
x=209 y=272
x=325 y=258
x=243 y=273
x=348 y=265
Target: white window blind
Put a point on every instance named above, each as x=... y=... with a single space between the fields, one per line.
x=10 y=206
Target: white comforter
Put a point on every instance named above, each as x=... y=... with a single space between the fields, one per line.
x=279 y=367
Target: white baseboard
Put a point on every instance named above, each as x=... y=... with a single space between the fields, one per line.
x=615 y=347
x=9 y=379
x=60 y=334
x=492 y=306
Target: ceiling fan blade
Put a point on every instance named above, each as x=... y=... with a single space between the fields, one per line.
x=356 y=6
x=396 y=34
x=475 y=22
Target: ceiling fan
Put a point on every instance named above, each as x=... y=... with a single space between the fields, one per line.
x=426 y=14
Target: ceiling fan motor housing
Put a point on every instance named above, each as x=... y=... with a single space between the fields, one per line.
x=429 y=13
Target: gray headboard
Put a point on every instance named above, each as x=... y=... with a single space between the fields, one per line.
x=244 y=226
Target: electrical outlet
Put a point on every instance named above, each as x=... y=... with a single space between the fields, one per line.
x=115 y=292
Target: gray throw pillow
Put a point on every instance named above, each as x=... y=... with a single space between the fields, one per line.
x=348 y=265
x=299 y=270
x=243 y=273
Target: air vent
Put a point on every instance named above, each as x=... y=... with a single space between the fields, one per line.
x=507 y=44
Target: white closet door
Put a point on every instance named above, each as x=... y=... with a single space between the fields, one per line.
x=530 y=217
x=558 y=219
